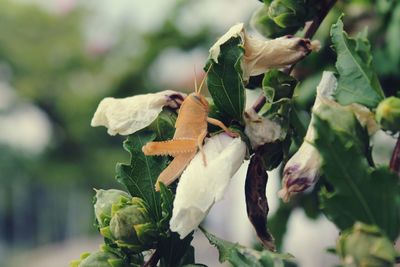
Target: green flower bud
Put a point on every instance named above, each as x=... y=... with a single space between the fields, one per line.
x=104 y=201
x=98 y=259
x=131 y=226
x=365 y=245
x=287 y=13
x=266 y=26
x=388 y=114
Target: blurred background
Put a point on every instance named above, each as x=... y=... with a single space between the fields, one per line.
x=59 y=58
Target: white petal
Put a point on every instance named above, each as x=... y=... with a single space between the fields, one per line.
x=261 y=55
x=200 y=187
x=302 y=170
x=260 y=130
x=127 y=115
x=234 y=31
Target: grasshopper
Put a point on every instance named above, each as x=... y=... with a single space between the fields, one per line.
x=190 y=131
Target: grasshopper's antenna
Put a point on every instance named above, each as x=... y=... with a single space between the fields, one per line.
x=195 y=79
x=205 y=76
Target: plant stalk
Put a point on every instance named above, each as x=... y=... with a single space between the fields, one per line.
x=395 y=160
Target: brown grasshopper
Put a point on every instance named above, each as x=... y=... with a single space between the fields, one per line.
x=191 y=129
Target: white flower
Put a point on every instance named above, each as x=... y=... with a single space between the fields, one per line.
x=201 y=186
x=127 y=115
x=260 y=130
x=302 y=170
x=261 y=55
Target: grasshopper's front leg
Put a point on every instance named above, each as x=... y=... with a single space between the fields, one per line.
x=222 y=126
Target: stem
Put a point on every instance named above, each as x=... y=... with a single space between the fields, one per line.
x=395 y=160
x=152 y=262
x=310 y=31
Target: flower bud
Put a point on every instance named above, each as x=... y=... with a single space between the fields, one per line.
x=131 y=226
x=287 y=13
x=128 y=115
x=261 y=22
x=365 y=245
x=104 y=201
x=98 y=259
x=303 y=169
x=388 y=114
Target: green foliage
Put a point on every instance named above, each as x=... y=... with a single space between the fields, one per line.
x=225 y=81
x=101 y=258
x=365 y=245
x=277 y=85
x=240 y=256
x=358 y=82
x=357 y=187
x=175 y=251
x=141 y=174
x=353 y=190
x=287 y=13
x=266 y=26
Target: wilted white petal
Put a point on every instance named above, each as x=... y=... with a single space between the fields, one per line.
x=201 y=186
x=235 y=31
x=261 y=55
x=125 y=116
x=260 y=130
x=302 y=169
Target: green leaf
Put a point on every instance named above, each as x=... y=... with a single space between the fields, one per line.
x=164 y=125
x=360 y=193
x=225 y=81
x=167 y=199
x=240 y=256
x=280 y=83
x=175 y=251
x=141 y=174
x=358 y=81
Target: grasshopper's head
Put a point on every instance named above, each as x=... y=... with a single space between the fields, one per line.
x=199 y=99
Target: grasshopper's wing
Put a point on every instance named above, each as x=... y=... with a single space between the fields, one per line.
x=174 y=169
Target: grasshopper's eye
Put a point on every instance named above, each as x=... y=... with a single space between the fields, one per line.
x=197 y=98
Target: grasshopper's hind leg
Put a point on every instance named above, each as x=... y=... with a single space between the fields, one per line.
x=171 y=147
x=174 y=169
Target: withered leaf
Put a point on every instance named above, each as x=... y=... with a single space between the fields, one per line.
x=256 y=200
